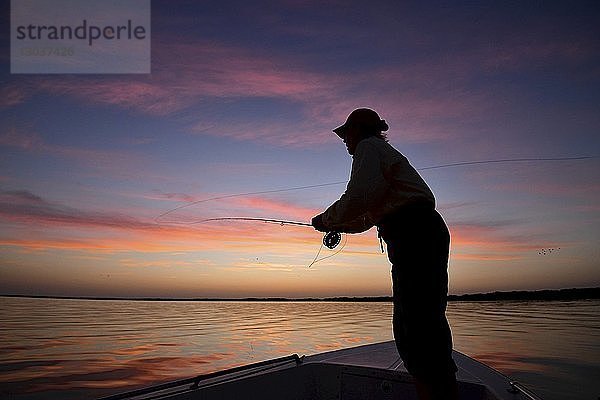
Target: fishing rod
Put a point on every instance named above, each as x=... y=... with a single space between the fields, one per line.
x=330 y=240
x=270 y=220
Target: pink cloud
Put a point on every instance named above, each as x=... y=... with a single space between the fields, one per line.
x=209 y=71
x=223 y=71
x=117 y=232
x=118 y=162
x=189 y=73
x=272 y=207
x=568 y=189
x=300 y=135
x=177 y=197
x=519 y=54
x=427 y=99
x=488 y=242
x=12 y=95
x=25 y=140
x=26 y=207
x=147 y=97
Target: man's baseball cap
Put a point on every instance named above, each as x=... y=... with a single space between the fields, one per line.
x=365 y=117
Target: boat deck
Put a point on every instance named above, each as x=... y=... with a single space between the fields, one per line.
x=384 y=356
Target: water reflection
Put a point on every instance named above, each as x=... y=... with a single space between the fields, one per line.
x=554 y=346
x=77 y=347
x=52 y=345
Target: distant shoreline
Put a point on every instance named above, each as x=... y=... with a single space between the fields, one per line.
x=550 y=294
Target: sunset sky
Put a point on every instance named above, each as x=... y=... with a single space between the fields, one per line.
x=242 y=99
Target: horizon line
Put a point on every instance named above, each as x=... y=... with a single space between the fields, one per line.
x=542 y=294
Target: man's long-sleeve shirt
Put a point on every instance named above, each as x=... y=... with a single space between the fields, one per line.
x=381 y=182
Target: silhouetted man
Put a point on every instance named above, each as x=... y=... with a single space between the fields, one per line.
x=386 y=191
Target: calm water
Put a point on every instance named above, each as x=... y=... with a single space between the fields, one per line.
x=71 y=349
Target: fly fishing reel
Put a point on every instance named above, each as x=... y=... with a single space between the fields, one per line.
x=332 y=239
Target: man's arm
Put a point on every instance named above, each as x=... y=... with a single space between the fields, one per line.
x=365 y=188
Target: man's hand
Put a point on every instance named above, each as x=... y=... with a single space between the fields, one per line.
x=317 y=223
